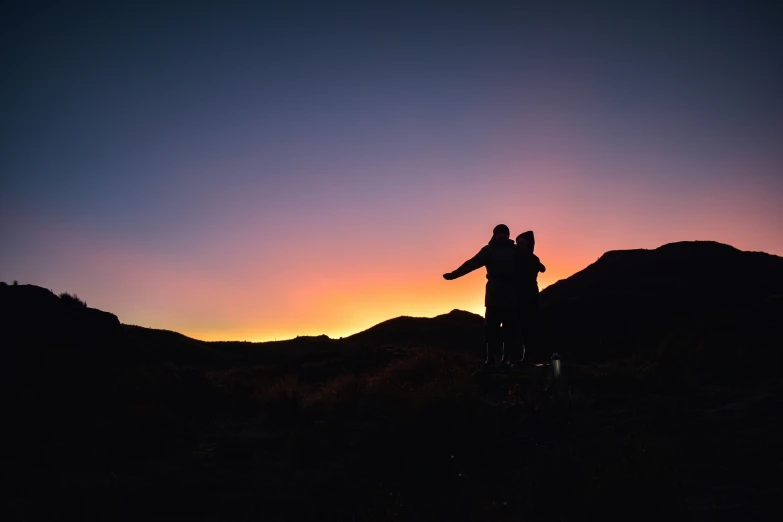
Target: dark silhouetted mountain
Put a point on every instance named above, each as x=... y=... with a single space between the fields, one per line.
x=45 y=334
x=455 y=330
x=75 y=387
x=629 y=302
x=176 y=348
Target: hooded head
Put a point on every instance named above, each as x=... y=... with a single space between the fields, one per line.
x=527 y=239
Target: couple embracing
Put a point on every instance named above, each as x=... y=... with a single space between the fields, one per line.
x=511 y=296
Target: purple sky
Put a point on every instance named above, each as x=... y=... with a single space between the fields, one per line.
x=252 y=173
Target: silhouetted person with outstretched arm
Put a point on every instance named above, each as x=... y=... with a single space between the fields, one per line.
x=500 y=298
x=528 y=267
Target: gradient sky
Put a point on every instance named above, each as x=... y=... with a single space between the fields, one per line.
x=257 y=173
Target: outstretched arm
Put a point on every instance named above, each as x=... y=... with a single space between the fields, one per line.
x=467 y=267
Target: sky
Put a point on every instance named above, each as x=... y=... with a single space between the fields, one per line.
x=238 y=172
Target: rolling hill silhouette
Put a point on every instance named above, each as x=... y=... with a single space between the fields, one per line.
x=631 y=302
x=455 y=330
x=72 y=380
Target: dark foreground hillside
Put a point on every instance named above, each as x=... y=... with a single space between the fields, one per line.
x=630 y=302
x=112 y=422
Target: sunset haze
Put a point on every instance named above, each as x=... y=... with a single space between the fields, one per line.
x=236 y=173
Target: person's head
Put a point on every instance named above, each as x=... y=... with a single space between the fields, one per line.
x=501 y=232
x=527 y=239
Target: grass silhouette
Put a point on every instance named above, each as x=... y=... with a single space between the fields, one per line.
x=71 y=298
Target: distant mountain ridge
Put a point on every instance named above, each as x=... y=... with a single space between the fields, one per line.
x=456 y=328
x=626 y=303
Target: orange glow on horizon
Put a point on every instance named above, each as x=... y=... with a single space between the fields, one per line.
x=245 y=281
x=338 y=311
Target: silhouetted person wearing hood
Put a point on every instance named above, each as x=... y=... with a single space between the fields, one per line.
x=528 y=267
x=500 y=298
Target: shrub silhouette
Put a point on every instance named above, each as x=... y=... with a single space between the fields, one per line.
x=282 y=397
x=73 y=299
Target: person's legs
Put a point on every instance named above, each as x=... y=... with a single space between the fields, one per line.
x=529 y=323
x=509 y=333
x=522 y=324
x=493 y=318
x=523 y=354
